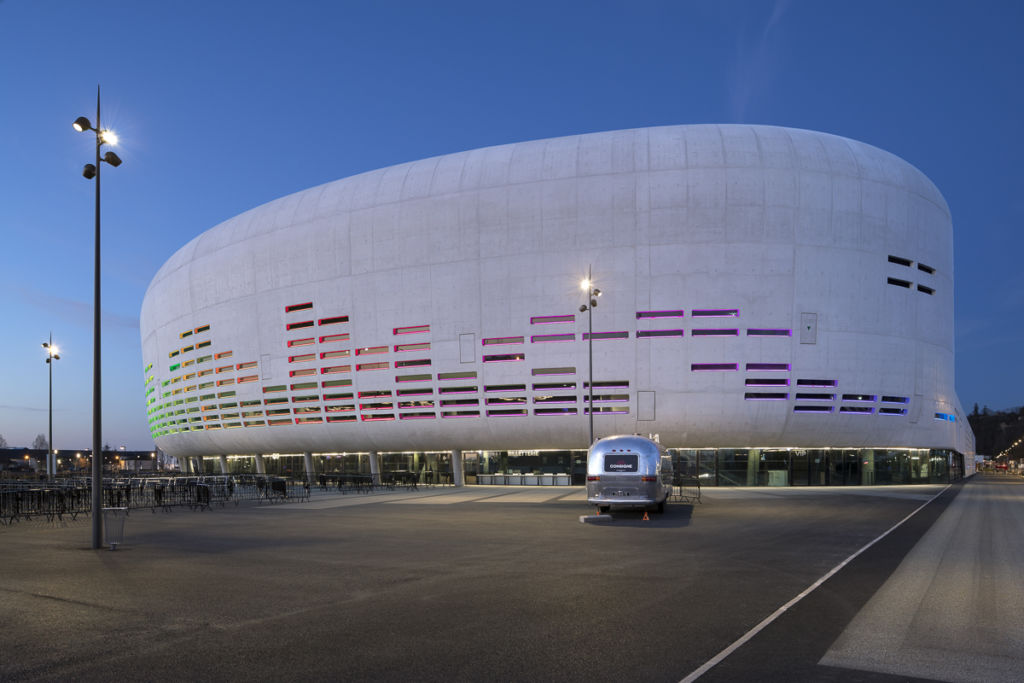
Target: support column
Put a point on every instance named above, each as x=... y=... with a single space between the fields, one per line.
x=223 y=464
x=307 y=459
x=458 y=475
x=375 y=467
x=261 y=467
x=753 y=465
x=867 y=467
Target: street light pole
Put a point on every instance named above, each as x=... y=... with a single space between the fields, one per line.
x=91 y=171
x=51 y=458
x=592 y=294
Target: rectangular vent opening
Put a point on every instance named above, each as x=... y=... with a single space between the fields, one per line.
x=863 y=398
x=299 y=325
x=895 y=399
x=504 y=387
x=542 y=338
x=815 y=397
x=769 y=333
x=549 y=319
x=298 y=307
x=816 y=382
x=767 y=382
x=715 y=313
x=554 y=411
x=545 y=386
x=898 y=282
x=658 y=333
x=927 y=290
x=925 y=269
x=714 y=333
x=707 y=367
x=606 y=335
x=812 y=409
x=644 y=315
x=765 y=396
x=334 y=321
x=892 y=411
x=900 y=261
x=856 y=410
x=536 y=372
x=497 y=341
x=411 y=329
x=504 y=357
x=767 y=367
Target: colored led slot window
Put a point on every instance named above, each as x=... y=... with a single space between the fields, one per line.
x=504 y=387
x=203 y=345
x=645 y=315
x=304 y=385
x=608 y=410
x=715 y=313
x=816 y=383
x=246 y=366
x=340 y=396
x=945 y=416
x=554 y=411
x=892 y=411
x=765 y=396
x=641 y=334
x=346 y=408
x=606 y=335
x=330 y=338
x=769 y=333
x=536 y=372
x=370 y=366
x=460 y=402
x=225 y=368
x=412 y=378
x=608 y=384
x=418 y=391
x=186 y=349
x=367 y=350
x=202 y=328
x=815 y=397
x=496 y=341
x=547 y=386
x=341 y=418
x=327 y=384
x=173 y=353
x=556 y=399
x=412 y=329
x=298 y=307
x=457 y=390
x=301 y=342
x=505 y=400
x=508 y=412
x=422 y=346
x=375 y=394
x=416 y=416
x=333 y=321
x=856 y=410
x=419 y=362
x=403 y=405
x=864 y=398
x=460 y=413
x=767 y=382
x=895 y=399
x=711 y=367
x=334 y=354
x=714 y=333
x=335 y=369
x=549 y=319
x=186 y=333
x=223 y=382
x=302 y=373
x=446 y=376
x=542 y=338
x=608 y=398
x=767 y=367
x=504 y=357
x=223 y=354
x=299 y=325
x=812 y=409
x=377 y=418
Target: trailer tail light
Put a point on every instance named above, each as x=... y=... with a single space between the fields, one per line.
x=591 y=477
x=648 y=479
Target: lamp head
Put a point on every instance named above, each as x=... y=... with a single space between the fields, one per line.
x=82 y=124
x=112 y=159
x=89 y=172
x=597 y=292
x=583 y=308
x=108 y=136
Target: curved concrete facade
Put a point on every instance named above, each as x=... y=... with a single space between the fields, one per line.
x=761 y=287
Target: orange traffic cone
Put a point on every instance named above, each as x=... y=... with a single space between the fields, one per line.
x=646 y=518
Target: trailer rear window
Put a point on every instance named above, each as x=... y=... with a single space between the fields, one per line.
x=620 y=462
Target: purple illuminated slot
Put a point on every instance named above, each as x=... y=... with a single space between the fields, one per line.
x=769 y=333
x=416 y=416
x=640 y=315
x=714 y=333
x=764 y=396
x=507 y=413
x=554 y=411
x=607 y=411
x=892 y=411
x=541 y=338
x=607 y=335
x=767 y=367
x=548 y=319
x=504 y=358
x=856 y=410
x=707 y=367
x=658 y=333
x=812 y=409
x=460 y=413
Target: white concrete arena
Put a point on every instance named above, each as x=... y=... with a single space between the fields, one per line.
x=761 y=287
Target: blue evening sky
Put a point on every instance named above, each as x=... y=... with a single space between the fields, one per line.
x=222 y=106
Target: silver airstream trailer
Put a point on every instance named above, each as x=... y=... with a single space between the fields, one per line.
x=628 y=471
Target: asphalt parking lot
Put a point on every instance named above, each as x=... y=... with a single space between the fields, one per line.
x=480 y=583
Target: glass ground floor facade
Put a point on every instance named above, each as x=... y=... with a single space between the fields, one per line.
x=713 y=466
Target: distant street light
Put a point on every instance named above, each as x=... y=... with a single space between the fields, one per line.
x=592 y=294
x=51 y=355
x=91 y=171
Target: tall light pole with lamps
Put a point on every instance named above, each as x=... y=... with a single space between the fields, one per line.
x=90 y=172
x=592 y=294
x=51 y=458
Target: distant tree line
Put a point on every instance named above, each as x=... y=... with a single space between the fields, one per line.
x=994 y=431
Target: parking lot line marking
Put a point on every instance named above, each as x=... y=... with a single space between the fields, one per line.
x=708 y=665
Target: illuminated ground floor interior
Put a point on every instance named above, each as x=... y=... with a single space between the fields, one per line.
x=713 y=466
